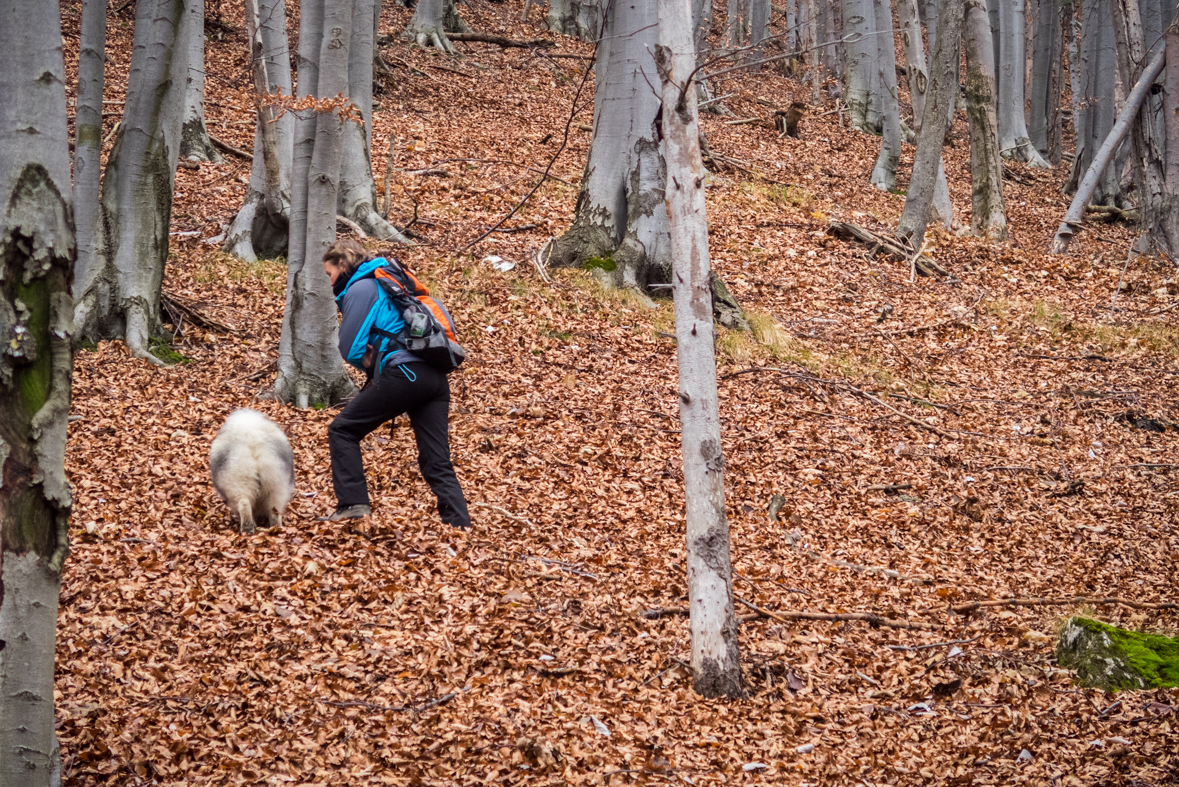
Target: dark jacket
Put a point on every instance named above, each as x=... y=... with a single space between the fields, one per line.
x=369 y=317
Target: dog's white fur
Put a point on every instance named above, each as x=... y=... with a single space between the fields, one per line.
x=253 y=468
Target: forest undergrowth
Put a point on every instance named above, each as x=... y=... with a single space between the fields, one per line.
x=1009 y=431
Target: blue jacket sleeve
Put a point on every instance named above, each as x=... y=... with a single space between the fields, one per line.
x=358 y=315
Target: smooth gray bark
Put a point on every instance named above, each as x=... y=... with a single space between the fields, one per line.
x=432 y=20
x=737 y=23
x=1171 y=127
x=1094 y=113
x=1013 y=134
x=36 y=257
x=88 y=140
x=195 y=144
x=759 y=21
x=792 y=40
x=859 y=25
x=1044 y=97
x=562 y=16
x=943 y=91
x=988 y=215
x=1147 y=139
x=1074 y=217
x=622 y=188
x=716 y=663
x=918 y=78
x=884 y=173
x=358 y=191
x=310 y=370
x=261 y=227
x=701 y=25
x=122 y=297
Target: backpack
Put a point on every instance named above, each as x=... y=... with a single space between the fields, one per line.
x=429 y=332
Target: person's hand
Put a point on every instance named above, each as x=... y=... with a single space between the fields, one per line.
x=369 y=353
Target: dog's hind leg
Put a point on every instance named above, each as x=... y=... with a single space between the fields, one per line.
x=245 y=515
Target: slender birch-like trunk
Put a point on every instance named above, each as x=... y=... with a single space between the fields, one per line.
x=1095 y=111
x=1044 y=97
x=859 y=24
x=716 y=663
x=195 y=144
x=1171 y=126
x=261 y=227
x=759 y=21
x=88 y=141
x=1074 y=217
x=738 y=23
x=701 y=25
x=943 y=91
x=36 y=257
x=122 y=297
x=884 y=173
x=988 y=216
x=310 y=370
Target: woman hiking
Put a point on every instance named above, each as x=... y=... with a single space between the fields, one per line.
x=399 y=382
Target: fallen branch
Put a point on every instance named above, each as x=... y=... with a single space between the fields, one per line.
x=178 y=304
x=966 y=609
x=742 y=121
x=228 y=148
x=875 y=621
x=934 y=644
x=926 y=266
x=520 y=228
x=507 y=43
x=352 y=225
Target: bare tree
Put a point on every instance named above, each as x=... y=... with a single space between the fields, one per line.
x=738 y=23
x=432 y=20
x=88 y=136
x=310 y=370
x=918 y=77
x=1102 y=156
x=943 y=90
x=1171 y=127
x=884 y=173
x=36 y=256
x=1013 y=132
x=988 y=216
x=1147 y=139
x=261 y=226
x=716 y=663
x=358 y=192
x=1094 y=109
x=119 y=297
x=195 y=144
x=759 y=21
x=863 y=64
x=1045 y=84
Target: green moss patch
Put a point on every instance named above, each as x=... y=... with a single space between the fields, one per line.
x=601 y=263
x=165 y=352
x=1115 y=659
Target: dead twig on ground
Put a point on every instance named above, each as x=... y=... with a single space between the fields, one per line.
x=505 y=512
x=228 y=148
x=966 y=609
x=934 y=644
x=500 y=41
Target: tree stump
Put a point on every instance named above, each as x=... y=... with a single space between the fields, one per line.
x=1114 y=659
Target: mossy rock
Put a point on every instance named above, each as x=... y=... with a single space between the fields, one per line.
x=1114 y=659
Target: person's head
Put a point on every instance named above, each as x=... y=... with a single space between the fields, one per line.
x=342 y=259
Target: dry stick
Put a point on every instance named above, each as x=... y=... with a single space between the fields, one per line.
x=487 y=38
x=352 y=225
x=389 y=171
x=228 y=148
x=935 y=644
x=913 y=260
x=505 y=512
x=560 y=149
x=966 y=609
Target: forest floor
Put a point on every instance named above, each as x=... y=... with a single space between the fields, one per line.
x=1009 y=398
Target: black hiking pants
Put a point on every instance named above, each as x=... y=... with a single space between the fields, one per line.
x=421 y=391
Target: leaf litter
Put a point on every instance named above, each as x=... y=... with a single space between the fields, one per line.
x=393 y=651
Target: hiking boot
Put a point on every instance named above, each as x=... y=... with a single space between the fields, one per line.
x=346 y=512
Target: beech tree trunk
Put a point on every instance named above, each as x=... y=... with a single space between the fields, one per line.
x=759 y=21
x=863 y=65
x=988 y=216
x=1146 y=134
x=1044 y=100
x=195 y=144
x=358 y=192
x=261 y=227
x=36 y=256
x=918 y=77
x=1094 y=112
x=121 y=296
x=88 y=139
x=884 y=173
x=738 y=23
x=562 y=16
x=432 y=20
x=701 y=25
x=716 y=663
x=1013 y=134
x=943 y=91
x=310 y=370
x=1171 y=129
x=1074 y=217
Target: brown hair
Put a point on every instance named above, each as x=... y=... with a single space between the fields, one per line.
x=348 y=254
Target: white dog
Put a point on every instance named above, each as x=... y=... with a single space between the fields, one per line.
x=253 y=468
